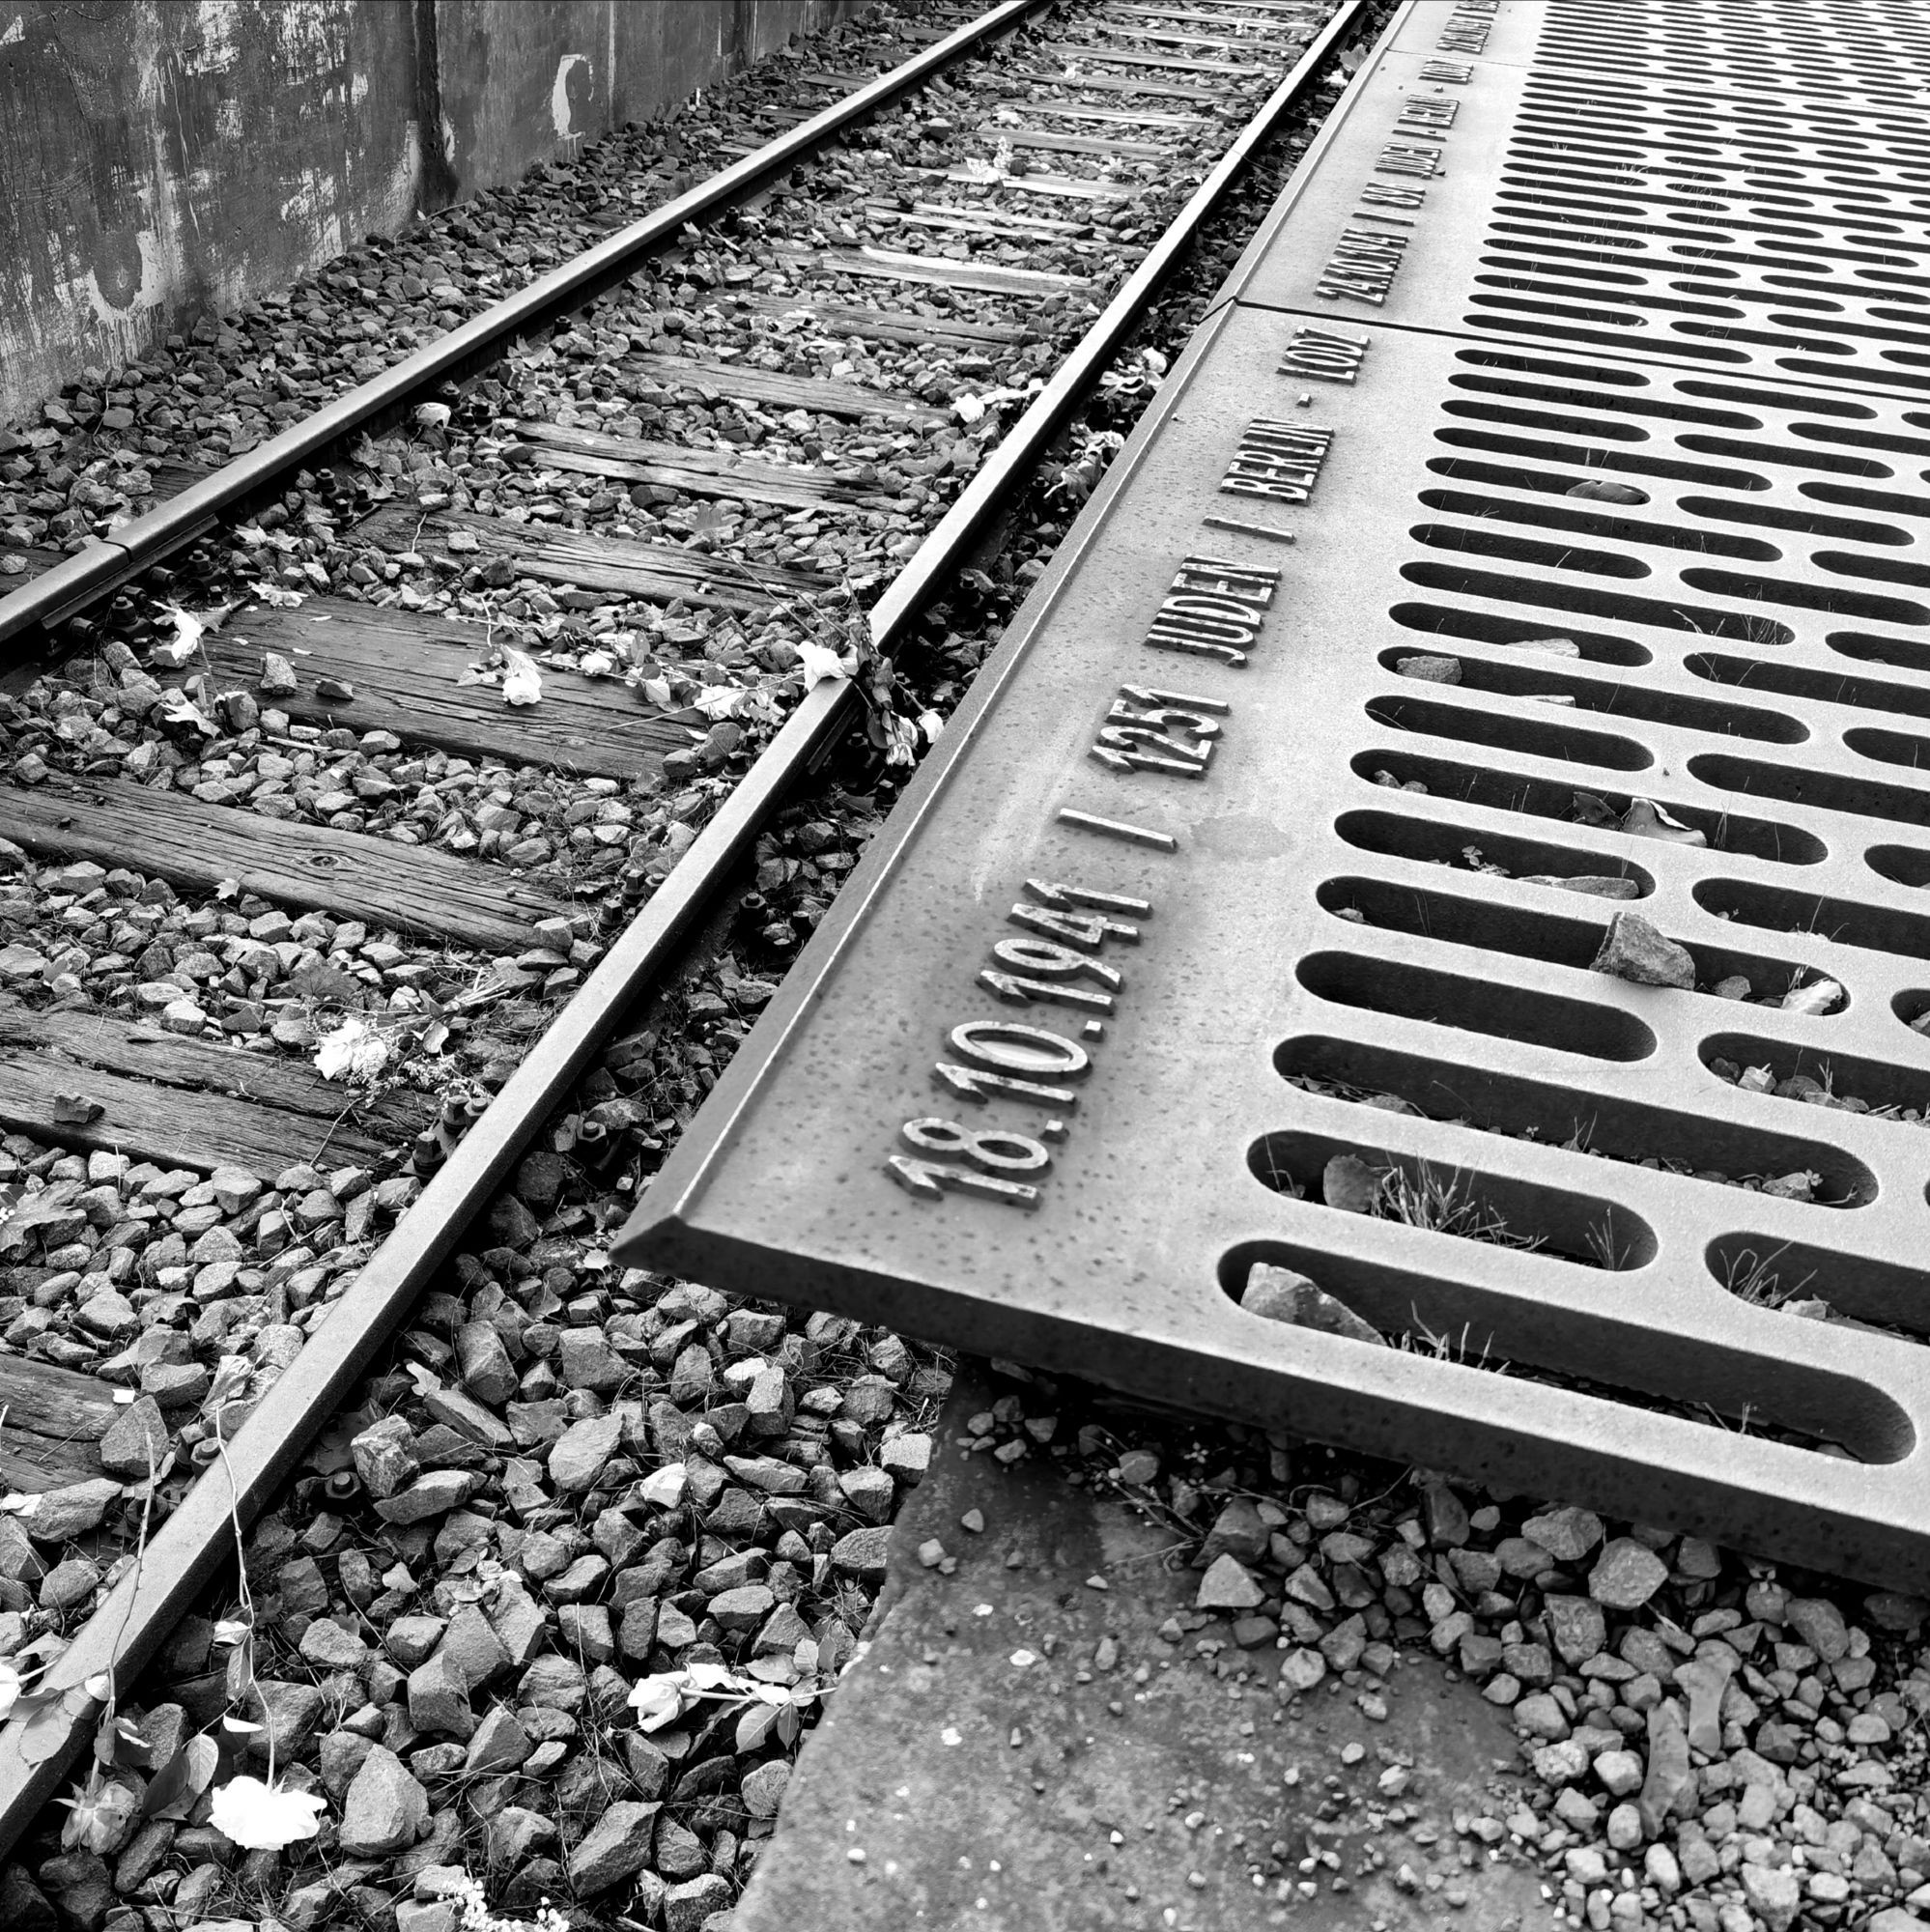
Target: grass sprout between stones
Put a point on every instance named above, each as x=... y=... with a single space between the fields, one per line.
x=1443 y=1206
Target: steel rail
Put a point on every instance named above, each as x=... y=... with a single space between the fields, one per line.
x=107 y=563
x=129 y=1626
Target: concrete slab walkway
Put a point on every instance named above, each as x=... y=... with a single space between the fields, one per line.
x=1020 y=1751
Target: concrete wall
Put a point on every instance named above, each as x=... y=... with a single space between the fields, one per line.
x=163 y=160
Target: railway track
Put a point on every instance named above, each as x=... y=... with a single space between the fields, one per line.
x=310 y=929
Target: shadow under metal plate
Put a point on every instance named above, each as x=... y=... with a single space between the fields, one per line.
x=1267 y=894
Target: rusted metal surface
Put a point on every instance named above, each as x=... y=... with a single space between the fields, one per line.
x=165 y=161
x=1274 y=895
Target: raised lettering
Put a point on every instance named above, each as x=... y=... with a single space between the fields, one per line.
x=1090 y=929
x=1362 y=266
x=1333 y=287
x=1373 y=264
x=1198 y=647
x=1209 y=574
x=1053 y=961
x=1049 y=892
x=1392 y=194
x=995 y=1150
x=1467 y=37
x=1118 y=752
x=1323 y=354
x=1009 y=1047
x=1277 y=459
x=1020 y=992
x=972 y=1083
x=1403 y=158
x=1217 y=619
x=1214 y=609
x=931 y=1181
x=1457 y=73
x=1167 y=719
x=1146 y=694
x=1256 y=480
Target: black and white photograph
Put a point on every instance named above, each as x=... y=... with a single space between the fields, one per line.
x=964 y=965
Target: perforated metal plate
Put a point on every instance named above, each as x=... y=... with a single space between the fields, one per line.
x=1365 y=938
x=1739 y=188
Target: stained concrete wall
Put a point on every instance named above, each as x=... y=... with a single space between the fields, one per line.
x=163 y=160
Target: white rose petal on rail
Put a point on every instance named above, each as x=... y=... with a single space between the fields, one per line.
x=352 y=1051
x=185 y=641
x=818 y=663
x=265 y=1817
x=179 y=711
x=657 y=1700
x=522 y=681
x=900 y=740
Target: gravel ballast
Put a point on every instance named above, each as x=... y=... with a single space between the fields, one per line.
x=1703 y=1740
x=440 y=1025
